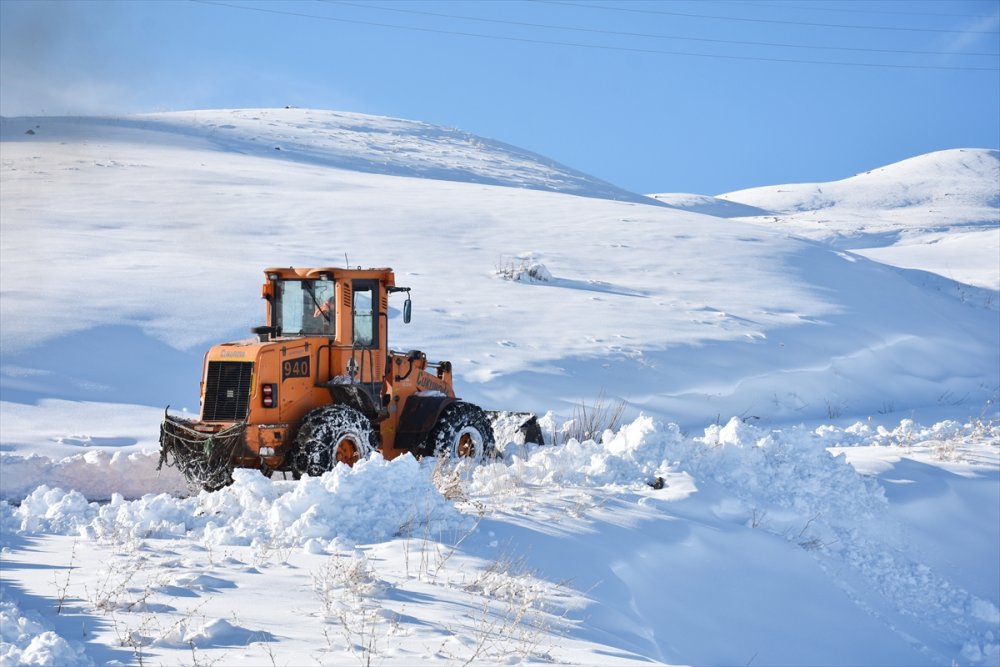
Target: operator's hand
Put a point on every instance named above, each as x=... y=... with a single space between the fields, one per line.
x=323 y=310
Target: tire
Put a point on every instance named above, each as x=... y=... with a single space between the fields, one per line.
x=462 y=431
x=330 y=435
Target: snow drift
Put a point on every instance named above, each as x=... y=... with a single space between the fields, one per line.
x=734 y=478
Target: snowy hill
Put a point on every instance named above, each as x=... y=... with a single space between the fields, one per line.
x=130 y=244
x=153 y=235
x=350 y=141
x=938 y=212
x=963 y=182
x=714 y=206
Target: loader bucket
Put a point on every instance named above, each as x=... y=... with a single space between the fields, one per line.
x=204 y=455
x=516 y=427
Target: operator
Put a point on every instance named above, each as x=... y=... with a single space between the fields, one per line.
x=324 y=313
x=322 y=294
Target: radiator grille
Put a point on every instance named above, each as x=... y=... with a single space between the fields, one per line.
x=227 y=391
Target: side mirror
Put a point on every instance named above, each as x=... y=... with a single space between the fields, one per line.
x=407 y=310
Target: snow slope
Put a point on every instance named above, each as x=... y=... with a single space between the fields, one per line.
x=130 y=244
x=153 y=240
x=938 y=212
x=964 y=179
x=714 y=206
x=355 y=142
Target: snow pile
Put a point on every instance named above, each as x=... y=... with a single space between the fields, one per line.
x=203 y=633
x=946 y=436
x=789 y=474
x=785 y=482
x=371 y=502
x=97 y=474
x=26 y=639
x=524 y=271
x=636 y=452
x=793 y=486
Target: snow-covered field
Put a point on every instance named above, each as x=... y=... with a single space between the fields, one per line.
x=811 y=370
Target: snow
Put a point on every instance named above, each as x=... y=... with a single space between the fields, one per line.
x=965 y=257
x=28 y=640
x=749 y=521
x=714 y=206
x=937 y=212
x=807 y=471
x=685 y=316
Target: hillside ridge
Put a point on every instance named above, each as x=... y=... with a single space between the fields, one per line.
x=334 y=139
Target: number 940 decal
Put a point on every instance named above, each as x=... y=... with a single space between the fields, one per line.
x=295 y=368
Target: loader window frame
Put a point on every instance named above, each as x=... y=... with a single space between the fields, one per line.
x=364 y=323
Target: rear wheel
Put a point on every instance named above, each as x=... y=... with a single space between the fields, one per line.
x=462 y=431
x=330 y=435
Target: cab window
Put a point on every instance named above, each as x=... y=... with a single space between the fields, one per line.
x=320 y=308
x=365 y=317
x=306 y=307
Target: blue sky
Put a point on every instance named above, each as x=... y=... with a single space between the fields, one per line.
x=672 y=96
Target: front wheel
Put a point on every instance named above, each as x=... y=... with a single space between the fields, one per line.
x=330 y=435
x=462 y=431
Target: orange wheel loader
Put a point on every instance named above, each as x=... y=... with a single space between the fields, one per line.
x=318 y=386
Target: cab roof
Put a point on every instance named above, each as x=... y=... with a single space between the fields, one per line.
x=333 y=273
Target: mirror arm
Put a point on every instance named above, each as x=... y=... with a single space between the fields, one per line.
x=407 y=305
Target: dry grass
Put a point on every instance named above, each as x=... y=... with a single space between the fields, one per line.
x=591 y=421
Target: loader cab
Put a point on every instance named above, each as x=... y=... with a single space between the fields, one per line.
x=348 y=306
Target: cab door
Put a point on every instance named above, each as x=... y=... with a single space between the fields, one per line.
x=364 y=313
x=366 y=334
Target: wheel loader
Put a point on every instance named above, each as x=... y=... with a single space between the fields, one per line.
x=318 y=386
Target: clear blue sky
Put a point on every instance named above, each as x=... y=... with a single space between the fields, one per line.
x=671 y=96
